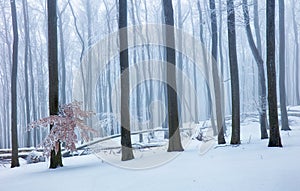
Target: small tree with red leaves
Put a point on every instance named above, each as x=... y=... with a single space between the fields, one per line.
x=69 y=118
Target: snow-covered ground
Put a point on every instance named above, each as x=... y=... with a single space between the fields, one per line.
x=251 y=166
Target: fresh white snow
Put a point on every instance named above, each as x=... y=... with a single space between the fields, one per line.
x=250 y=166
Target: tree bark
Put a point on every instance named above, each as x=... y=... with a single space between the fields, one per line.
x=127 y=153
x=174 y=133
x=222 y=65
x=274 y=140
x=261 y=73
x=55 y=158
x=26 y=53
x=235 y=136
x=216 y=77
x=284 y=116
x=14 y=76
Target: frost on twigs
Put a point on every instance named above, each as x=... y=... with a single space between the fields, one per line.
x=69 y=118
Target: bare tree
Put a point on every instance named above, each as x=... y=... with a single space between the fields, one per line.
x=261 y=73
x=14 y=77
x=55 y=158
x=174 y=133
x=235 y=136
x=284 y=117
x=127 y=153
x=194 y=68
x=275 y=140
x=26 y=33
x=217 y=87
x=33 y=109
x=209 y=98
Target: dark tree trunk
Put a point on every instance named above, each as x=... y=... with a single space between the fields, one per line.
x=274 y=140
x=174 y=132
x=55 y=158
x=284 y=116
x=261 y=73
x=234 y=73
x=216 y=77
x=14 y=76
x=127 y=153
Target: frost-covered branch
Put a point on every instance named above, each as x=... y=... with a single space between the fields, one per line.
x=64 y=124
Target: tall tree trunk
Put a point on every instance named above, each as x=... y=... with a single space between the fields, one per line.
x=62 y=56
x=148 y=88
x=26 y=53
x=261 y=91
x=7 y=69
x=127 y=153
x=138 y=94
x=284 y=116
x=14 y=76
x=216 y=77
x=234 y=73
x=81 y=54
x=220 y=38
x=222 y=65
x=28 y=71
x=30 y=65
x=261 y=73
x=275 y=140
x=55 y=158
x=179 y=61
x=194 y=70
x=256 y=26
x=110 y=109
x=89 y=69
x=174 y=132
x=201 y=23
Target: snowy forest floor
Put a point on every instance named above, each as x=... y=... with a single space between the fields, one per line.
x=250 y=166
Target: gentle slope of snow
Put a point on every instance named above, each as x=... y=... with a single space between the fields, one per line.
x=251 y=166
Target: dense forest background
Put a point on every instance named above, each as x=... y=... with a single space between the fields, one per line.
x=83 y=23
